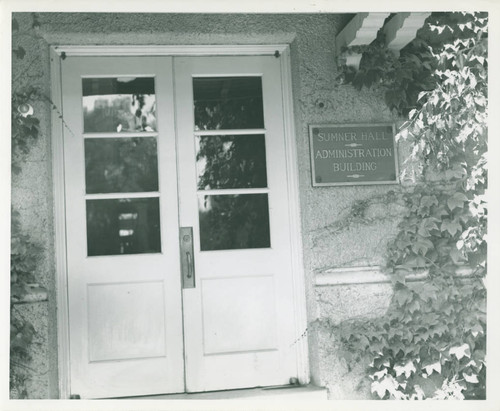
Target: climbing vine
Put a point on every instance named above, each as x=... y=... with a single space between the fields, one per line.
x=25 y=126
x=431 y=343
x=24 y=253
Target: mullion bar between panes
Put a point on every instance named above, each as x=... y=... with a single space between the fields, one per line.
x=109 y=196
x=115 y=134
x=234 y=191
x=230 y=132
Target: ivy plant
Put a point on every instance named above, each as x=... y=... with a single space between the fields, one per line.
x=24 y=253
x=24 y=256
x=431 y=343
x=25 y=126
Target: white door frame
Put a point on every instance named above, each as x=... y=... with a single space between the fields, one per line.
x=281 y=51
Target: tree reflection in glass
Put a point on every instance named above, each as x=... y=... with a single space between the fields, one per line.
x=223 y=103
x=234 y=221
x=231 y=162
x=115 y=165
x=119 y=104
x=123 y=226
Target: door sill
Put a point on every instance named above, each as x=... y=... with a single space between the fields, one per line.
x=304 y=392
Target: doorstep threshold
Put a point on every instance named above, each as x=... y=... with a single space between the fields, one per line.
x=283 y=393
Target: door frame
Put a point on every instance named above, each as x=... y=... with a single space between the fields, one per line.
x=282 y=51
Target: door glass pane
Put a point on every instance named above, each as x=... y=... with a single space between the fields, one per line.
x=222 y=103
x=123 y=226
x=231 y=161
x=119 y=104
x=114 y=165
x=233 y=221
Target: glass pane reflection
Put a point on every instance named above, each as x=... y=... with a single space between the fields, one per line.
x=231 y=162
x=123 y=226
x=114 y=165
x=222 y=103
x=119 y=104
x=233 y=221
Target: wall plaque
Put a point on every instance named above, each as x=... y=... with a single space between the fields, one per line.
x=353 y=154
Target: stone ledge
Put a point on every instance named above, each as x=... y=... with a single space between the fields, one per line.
x=36 y=294
x=371 y=275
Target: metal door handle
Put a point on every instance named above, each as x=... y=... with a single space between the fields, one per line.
x=187 y=257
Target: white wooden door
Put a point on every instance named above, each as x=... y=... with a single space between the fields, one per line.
x=122 y=227
x=239 y=319
x=151 y=145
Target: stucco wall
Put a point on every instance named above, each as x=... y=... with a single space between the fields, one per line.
x=31 y=195
x=39 y=383
x=319 y=97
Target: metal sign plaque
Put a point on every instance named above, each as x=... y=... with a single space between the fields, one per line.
x=353 y=154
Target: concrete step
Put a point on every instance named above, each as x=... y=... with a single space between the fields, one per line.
x=282 y=393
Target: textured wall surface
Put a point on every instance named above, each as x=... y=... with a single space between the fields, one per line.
x=330 y=237
x=38 y=385
x=31 y=195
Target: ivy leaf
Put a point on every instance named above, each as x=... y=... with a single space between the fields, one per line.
x=422 y=245
x=403 y=296
x=413 y=306
x=455 y=172
x=421 y=95
x=457 y=201
x=452 y=226
x=439 y=330
x=456 y=256
x=461 y=351
x=427 y=225
x=362 y=343
x=388 y=384
x=476 y=329
x=471 y=378
x=428 y=201
x=429 y=369
x=428 y=292
x=472 y=363
x=427 y=385
x=377 y=346
x=406 y=369
x=440 y=211
x=379 y=374
x=479 y=356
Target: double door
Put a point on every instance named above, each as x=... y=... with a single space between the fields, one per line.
x=178 y=232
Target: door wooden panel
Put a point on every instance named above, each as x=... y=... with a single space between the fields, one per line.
x=238 y=329
x=123 y=325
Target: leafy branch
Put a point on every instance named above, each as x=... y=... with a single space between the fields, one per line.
x=431 y=343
